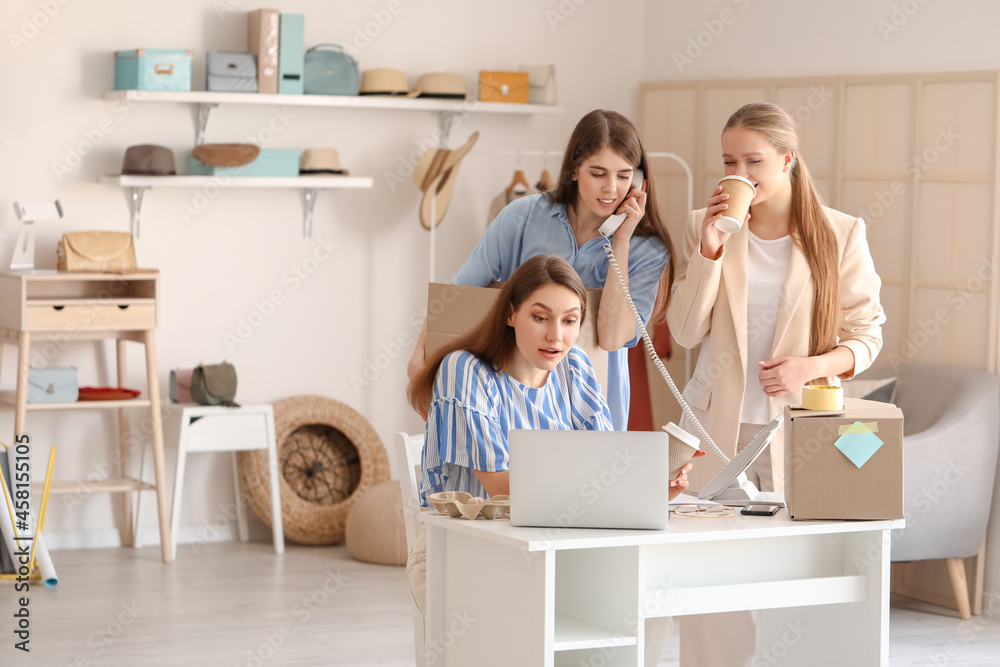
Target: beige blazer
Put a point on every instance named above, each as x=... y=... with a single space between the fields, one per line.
x=709 y=306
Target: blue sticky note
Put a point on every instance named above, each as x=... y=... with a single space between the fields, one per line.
x=858 y=443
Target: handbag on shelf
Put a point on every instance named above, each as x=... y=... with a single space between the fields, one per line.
x=53 y=384
x=180 y=385
x=214 y=384
x=96 y=252
x=108 y=394
x=330 y=71
x=503 y=87
x=230 y=72
x=543 y=83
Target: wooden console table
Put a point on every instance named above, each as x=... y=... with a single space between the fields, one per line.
x=44 y=305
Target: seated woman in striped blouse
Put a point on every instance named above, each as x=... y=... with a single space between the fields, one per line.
x=518 y=368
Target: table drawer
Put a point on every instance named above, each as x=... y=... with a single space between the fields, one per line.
x=235 y=432
x=105 y=315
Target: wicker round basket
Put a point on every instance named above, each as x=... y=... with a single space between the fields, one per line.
x=328 y=455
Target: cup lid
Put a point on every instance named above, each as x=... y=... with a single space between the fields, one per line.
x=738 y=178
x=682 y=435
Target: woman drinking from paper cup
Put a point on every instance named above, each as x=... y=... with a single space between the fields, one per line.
x=787 y=298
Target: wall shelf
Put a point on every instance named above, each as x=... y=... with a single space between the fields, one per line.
x=311 y=185
x=449 y=110
x=207 y=100
x=342 y=101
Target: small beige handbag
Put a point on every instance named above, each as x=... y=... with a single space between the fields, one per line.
x=96 y=252
x=542 y=83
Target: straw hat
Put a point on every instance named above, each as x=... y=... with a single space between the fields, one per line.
x=440 y=85
x=320 y=161
x=226 y=155
x=435 y=176
x=383 y=81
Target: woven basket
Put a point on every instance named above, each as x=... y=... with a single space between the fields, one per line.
x=328 y=455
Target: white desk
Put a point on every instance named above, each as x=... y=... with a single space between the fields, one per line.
x=501 y=595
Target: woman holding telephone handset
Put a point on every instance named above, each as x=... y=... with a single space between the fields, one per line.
x=789 y=299
x=600 y=167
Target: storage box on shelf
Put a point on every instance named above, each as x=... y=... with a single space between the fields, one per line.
x=48 y=305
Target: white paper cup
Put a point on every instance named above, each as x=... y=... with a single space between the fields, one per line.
x=683 y=446
x=741 y=192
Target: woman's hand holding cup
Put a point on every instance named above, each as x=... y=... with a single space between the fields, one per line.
x=719 y=223
x=712 y=238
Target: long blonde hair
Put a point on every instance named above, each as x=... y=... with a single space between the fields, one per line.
x=809 y=227
x=599 y=129
x=493 y=340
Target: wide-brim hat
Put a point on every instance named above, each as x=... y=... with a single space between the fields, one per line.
x=435 y=175
x=440 y=85
x=226 y=155
x=149 y=160
x=383 y=81
x=320 y=161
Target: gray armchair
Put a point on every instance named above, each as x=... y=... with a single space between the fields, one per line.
x=951 y=436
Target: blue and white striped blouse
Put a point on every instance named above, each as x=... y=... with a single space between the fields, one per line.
x=532 y=226
x=473 y=407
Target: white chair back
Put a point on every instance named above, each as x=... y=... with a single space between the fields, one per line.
x=409 y=449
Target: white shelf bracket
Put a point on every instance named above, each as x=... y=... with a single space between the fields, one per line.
x=135 y=194
x=307 y=212
x=204 y=110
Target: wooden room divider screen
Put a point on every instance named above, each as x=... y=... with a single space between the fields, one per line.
x=915 y=155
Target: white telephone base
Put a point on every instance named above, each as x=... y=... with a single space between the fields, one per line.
x=743 y=492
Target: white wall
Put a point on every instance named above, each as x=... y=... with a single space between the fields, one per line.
x=761 y=38
x=217 y=264
x=690 y=39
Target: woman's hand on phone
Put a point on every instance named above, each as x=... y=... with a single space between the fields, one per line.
x=712 y=239
x=634 y=208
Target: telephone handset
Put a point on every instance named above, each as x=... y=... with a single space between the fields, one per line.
x=612 y=224
x=730 y=483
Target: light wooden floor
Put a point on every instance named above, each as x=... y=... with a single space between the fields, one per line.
x=238 y=604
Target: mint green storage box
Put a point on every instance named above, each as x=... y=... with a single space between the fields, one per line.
x=270 y=163
x=153 y=69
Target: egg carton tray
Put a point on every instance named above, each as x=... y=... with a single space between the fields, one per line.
x=460 y=504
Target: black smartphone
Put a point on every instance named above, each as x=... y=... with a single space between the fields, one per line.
x=760 y=510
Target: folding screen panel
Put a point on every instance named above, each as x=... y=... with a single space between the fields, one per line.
x=915 y=155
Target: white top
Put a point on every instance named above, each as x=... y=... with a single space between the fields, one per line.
x=767 y=266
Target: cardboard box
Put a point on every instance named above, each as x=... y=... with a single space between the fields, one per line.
x=822 y=482
x=454 y=309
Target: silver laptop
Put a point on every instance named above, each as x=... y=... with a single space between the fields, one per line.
x=589 y=479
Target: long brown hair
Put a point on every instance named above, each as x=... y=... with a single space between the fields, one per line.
x=809 y=227
x=595 y=131
x=493 y=340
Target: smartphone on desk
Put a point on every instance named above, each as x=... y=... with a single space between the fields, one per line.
x=760 y=510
